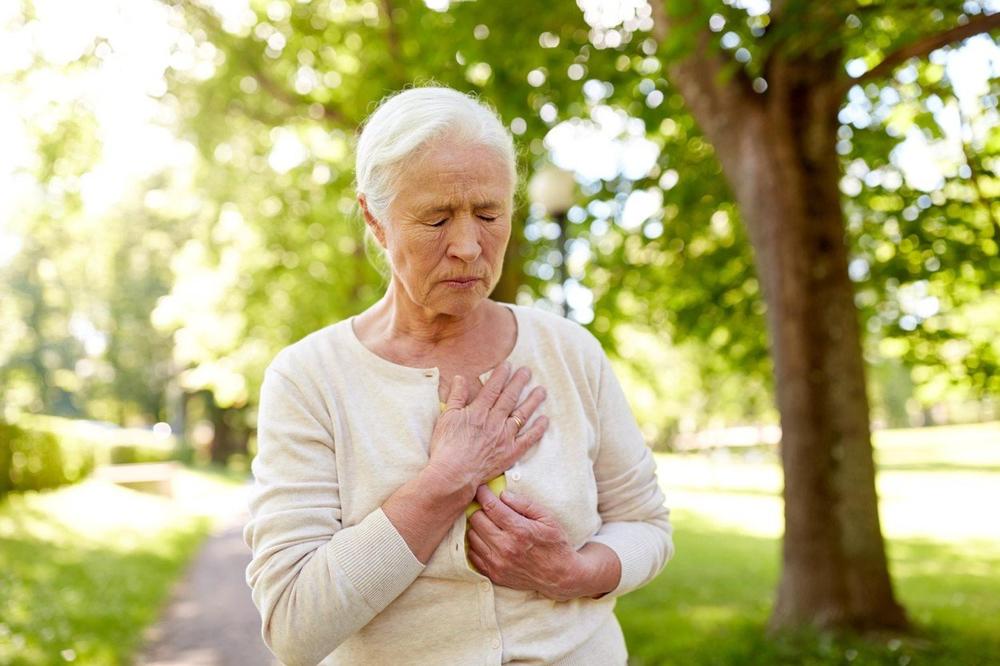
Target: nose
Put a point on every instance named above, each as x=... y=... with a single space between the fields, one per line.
x=463 y=241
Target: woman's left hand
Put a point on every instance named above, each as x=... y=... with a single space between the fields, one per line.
x=518 y=544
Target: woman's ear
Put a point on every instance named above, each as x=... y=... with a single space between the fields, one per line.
x=370 y=220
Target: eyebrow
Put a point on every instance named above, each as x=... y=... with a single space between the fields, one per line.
x=443 y=209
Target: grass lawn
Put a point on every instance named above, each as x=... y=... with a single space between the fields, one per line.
x=84 y=569
x=939 y=489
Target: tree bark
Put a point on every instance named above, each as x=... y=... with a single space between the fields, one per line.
x=835 y=571
x=230 y=435
x=512 y=273
x=778 y=153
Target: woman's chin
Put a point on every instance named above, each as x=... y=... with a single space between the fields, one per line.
x=460 y=302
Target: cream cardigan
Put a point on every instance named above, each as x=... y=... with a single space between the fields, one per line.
x=340 y=429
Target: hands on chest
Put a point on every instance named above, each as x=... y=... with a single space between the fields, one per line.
x=513 y=541
x=475 y=440
x=517 y=543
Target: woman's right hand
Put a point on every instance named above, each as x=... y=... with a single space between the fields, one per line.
x=476 y=441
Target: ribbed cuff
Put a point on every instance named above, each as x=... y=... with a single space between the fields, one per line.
x=633 y=553
x=376 y=559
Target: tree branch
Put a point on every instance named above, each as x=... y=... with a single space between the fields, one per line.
x=290 y=98
x=924 y=45
x=393 y=42
x=698 y=73
x=294 y=100
x=987 y=202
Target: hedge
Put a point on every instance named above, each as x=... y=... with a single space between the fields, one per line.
x=35 y=460
x=39 y=452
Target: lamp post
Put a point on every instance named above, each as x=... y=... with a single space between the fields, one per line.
x=554 y=191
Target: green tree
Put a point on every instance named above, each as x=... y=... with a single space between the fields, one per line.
x=75 y=297
x=775 y=121
x=278 y=235
x=757 y=149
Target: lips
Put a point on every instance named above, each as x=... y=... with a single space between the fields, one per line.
x=461 y=282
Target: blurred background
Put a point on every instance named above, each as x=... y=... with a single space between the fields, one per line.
x=177 y=205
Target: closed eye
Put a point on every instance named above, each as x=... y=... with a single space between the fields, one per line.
x=485 y=218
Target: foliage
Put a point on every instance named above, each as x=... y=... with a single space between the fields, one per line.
x=926 y=255
x=198 y=274
x=33 y=459
x=63 y=550
x=295 y=75
x=106 y=442
x=670 y=392
x=40 y=452
x=287 y=227
x=76 y=336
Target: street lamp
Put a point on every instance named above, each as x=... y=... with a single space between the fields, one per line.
x=554 y=191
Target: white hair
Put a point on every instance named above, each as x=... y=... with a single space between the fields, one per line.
x=407 y=121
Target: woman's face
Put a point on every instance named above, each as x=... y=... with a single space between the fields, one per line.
x=447 y=228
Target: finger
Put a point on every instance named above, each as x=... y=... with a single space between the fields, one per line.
x=493 y=386
x=523 y=505
x=530 y=404
x=477 y=544
x=459 y=395
x=478 y=562
x=512 y=391
x=530 y=436
x=502 y=515
x=482 y=524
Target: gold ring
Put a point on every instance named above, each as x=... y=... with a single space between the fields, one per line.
x=518 y=420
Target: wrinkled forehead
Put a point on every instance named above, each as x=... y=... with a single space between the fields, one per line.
x=457 y=173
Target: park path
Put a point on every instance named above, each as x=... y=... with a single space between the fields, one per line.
x=210 y=619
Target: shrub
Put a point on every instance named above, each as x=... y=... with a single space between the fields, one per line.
x=39 y=452
x=110 y=444
x=36 y=460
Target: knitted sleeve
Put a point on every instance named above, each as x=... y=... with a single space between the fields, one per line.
x=636 y=522
x=314 y=581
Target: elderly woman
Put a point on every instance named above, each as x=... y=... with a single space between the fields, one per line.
x=381 y=436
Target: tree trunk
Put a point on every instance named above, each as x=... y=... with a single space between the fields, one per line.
x=219 y=449
x=778 y=154
x=230 y=435
x=36 y=319
x=835 y=570
x=512 y=274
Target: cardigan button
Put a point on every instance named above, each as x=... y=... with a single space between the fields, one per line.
x=496 y=643
x=515 y=476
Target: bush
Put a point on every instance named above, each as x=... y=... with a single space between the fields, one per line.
x=39 y=452
x=36 y=460
x=110 y=444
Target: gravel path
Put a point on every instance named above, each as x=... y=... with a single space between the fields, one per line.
x=211 y=620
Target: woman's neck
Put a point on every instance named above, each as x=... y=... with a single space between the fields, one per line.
x=395 y=320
